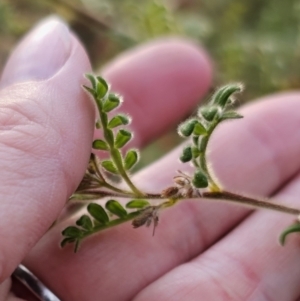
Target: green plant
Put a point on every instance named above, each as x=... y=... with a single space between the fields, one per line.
x=96 y=184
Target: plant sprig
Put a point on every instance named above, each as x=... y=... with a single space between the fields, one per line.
x=201 y=184
x=201 y=128
x=100 y=219
x=112 y=142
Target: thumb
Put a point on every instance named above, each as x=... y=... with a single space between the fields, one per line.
x=46 y=129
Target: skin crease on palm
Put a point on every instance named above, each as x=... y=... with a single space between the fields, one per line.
x=202 y=250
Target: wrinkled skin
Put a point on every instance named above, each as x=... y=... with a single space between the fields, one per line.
x=202 y=250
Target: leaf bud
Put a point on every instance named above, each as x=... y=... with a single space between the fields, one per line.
x=186 y=155
x=187 y=127
x=209 y=112
x=92 y=79
x=200 y=179
x=199 y=129
x=222 y=96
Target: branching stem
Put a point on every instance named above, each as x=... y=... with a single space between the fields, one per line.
x=184 y=188
x=221 y=196
x=251 y=202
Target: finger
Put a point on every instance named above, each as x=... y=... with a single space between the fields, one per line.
x=248 y=264
x=161 y=82
x=13 y=298
x=4 y=289
x=261 y=138
x=185 y=230
x=46 y=131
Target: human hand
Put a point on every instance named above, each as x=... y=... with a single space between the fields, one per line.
x=201 y=251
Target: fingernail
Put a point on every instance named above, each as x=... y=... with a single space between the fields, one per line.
x=40 y=54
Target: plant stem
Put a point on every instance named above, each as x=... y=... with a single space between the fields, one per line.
x=116 y=156
x=113 y=188
x=254 y=203
x=97 y=194
x=203 y=162
x=112 y=223
x=128 y=217
x=104 y=183
x=216 y=196
x=223 y=196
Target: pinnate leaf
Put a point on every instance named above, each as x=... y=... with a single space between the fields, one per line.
x=199 y=129
x=85 y=222
x=98 y=213
x=137 y=204
x=112 y=102
x=231 y=115
x=187 y=127
x=90 y=90
x=67 y=240
x=109 y=166
x=209 y=113
x=92 y=79
x=200 y=179
x=72 y=231
x=116 y=208
x=222 y=96
x=130 y=159
x=186 y=155
x=100 y=144
x=118 y=120
x=101 y=87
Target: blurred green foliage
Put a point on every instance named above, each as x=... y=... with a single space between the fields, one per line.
x=252 y=41
x=256 y=42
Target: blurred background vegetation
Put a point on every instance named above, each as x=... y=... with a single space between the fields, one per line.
x=252 y=41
